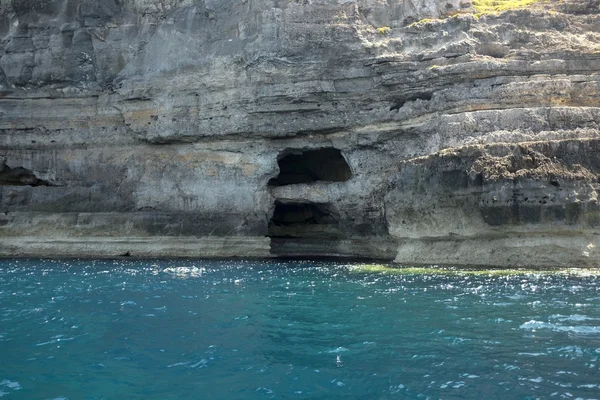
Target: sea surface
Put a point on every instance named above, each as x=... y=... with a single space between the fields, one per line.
x=120 y=329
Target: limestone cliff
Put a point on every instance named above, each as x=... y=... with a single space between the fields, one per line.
x=419 y=131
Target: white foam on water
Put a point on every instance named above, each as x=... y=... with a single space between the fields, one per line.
x=570 y=349
x=264 y=389
x=56 y=339
x=337 y=350
x=178 y=364
x=574 y=317
x=11 y=385
x=581 y=329
x=396 y=388
x=589 y=386
x=202 y=363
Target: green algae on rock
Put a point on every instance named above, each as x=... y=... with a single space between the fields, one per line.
x=436 y=270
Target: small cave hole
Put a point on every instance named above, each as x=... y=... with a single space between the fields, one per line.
x=19 y=176
x=297 y=220
x=306 y=166
x=399 y=103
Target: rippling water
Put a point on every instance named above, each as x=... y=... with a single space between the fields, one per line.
x=293 y=330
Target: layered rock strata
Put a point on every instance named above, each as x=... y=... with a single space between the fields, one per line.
x=417 y=131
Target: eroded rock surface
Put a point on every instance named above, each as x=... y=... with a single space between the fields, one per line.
x=158 y=127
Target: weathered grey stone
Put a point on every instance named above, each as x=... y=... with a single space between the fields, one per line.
x=468 y=140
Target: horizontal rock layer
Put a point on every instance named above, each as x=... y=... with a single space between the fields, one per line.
x=149 y=127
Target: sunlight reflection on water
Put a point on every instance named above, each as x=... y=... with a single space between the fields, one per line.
x=98 y=329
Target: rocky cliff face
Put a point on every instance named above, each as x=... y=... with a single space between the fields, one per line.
x=417 y=131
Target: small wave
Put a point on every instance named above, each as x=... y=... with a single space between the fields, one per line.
x=394 y=389
x=533 y=324
x=574 y=317
x=11 y=385
x=539 y=379
x=178 y=364
x=202 y=363
x=337 y=350
x=567 y=373
x=589 y=386
x=265 y=390
x=55 y=340
x=581 y=329
x=453 y=384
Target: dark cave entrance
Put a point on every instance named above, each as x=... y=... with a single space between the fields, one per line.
x=306 y=166
x=302 y=220
x=19 y=176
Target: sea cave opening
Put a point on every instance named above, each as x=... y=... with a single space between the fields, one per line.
x=306 y=166
x=301 y=220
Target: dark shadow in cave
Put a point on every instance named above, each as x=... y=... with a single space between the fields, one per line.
x=19 y=176
x=296 y=220
x=306 y=166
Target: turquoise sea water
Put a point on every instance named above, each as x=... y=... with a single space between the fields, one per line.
x=294 y=330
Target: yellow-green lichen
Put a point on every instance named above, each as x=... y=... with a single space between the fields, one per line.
x=384 y=30
x=484 y=7
x=495 y=6
x=423 y=22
